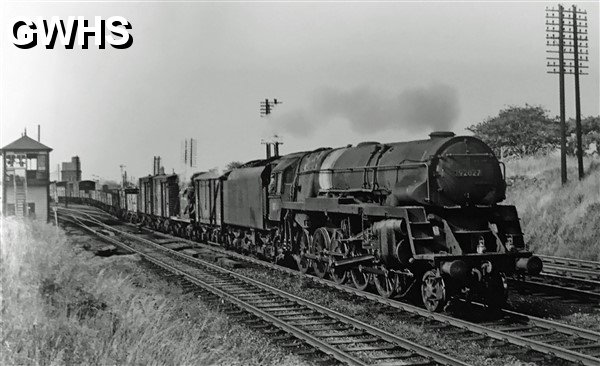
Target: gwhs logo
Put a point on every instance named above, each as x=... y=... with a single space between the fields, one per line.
x=115 y=31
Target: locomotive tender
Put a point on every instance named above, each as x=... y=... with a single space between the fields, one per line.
x=420 y=217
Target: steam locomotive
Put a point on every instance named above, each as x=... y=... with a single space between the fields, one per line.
x=419 y=218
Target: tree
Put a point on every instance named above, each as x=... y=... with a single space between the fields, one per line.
x=233 y=165
x=588 y=124
x=590 y=131
x=522 y=130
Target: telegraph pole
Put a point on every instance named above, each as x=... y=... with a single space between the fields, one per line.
x=569 y=34
x=579 y=29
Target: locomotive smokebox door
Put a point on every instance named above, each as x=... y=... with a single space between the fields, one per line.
x=468 y=173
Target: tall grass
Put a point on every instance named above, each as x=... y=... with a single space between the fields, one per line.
x=557 y=220
x=62 y=306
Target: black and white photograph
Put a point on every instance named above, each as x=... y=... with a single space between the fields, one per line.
x=299 y=182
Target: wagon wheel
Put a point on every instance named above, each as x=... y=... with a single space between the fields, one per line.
x=198 y=235
x=433 y=291
x=269 y=251
x=186 y=231
x=172 y=229
x=304 y=243
x=321 y=243
x=339 y=250
x=386 y=284
x=227 y=241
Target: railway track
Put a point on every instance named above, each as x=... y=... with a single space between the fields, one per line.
x=512 y=332
x=565 y=277
x=575 y=269
x=334 y=334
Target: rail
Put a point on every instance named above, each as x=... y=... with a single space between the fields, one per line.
x=514 y=328
x=292 y=314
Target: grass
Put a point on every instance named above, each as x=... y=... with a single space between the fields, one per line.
x=60 y=305
x=557 y=220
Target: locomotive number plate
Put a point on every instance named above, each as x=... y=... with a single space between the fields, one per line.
x=468 y=173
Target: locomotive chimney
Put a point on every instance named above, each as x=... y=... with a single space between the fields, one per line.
x=441 y=134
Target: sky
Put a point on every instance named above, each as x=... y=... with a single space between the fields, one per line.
x=346 y=72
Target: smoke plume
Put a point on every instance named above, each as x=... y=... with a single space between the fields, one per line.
x=366 y=110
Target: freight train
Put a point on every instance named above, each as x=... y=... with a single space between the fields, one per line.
x=418 y=218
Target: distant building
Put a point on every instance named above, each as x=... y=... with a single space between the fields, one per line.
x=71 y=171
x=26 y=179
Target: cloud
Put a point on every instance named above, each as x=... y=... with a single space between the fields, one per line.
x=435 y=107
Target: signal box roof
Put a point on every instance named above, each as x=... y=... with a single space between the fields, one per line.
x=25 y=143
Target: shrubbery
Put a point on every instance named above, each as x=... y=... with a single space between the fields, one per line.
x=529 y=130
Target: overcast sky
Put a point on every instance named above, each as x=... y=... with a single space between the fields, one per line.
x=346 y=72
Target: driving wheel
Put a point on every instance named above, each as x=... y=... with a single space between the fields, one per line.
x=321 y=243
x=303 y=240
x=339 y=250
x=433 y=291
x=386 y=284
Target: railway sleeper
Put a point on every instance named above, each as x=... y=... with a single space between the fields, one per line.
x=394 y=356
x=308 y=323
x=294 y=313
x=275 y=309
x=347 y=334
x=370 y=348
x=515 y=328
x=257 y=297
x=276 y=305
x=537 y=334
x=357 y=341
x=262 y=301
x=324 y=328
x=473 y=338
x=310 y=317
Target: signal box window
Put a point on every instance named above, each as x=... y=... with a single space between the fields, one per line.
x=32 y=163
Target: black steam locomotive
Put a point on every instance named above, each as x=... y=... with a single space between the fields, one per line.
x=419 y=217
